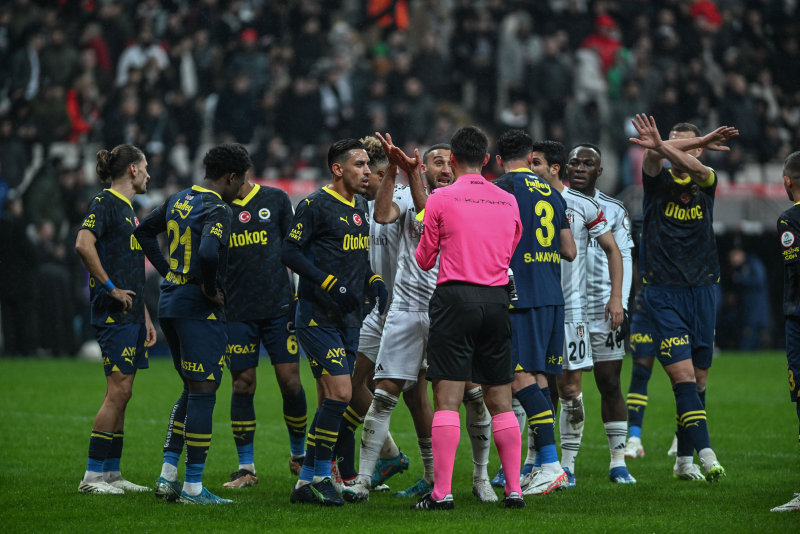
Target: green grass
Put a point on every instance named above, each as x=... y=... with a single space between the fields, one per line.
x=47 y=408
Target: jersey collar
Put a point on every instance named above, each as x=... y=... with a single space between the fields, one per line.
x=523 y=169
x=201 y=189
x=249 y=197
x=340 y=198
x=678 y=179
x=121 y=196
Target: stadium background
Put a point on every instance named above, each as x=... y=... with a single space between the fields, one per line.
x=287 y=77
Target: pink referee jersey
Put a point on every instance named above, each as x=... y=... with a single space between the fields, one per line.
x=475 y=226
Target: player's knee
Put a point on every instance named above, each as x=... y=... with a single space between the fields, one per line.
x=290 y=386
x=640 y=372
x=243 y=386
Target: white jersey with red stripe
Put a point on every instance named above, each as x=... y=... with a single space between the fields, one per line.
x=586 y=220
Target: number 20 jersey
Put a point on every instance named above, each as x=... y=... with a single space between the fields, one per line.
x=187 y=217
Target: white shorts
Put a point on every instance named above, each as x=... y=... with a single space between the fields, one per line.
x=369 y=338
x=607 y=345
x=404 y=346
x=577 y=348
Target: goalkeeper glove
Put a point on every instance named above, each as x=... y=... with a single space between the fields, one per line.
x=340 y=294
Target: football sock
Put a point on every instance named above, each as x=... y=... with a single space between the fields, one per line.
x=199 y=413
x=243 y=424
x=479 y=425
x=426 y=453
x=111 y=464
x=537 y=459
x=691 y=416
x=616 y=431
x=508 y=442
x=571 y=422
x=326 y=432
x=540 y=421
x=173 y=445
x=295 y=416
x=702 y=395
x=445 y=434
x=519 y=413
x=376 y=428
x=637 y=399
x=307 y=471
x=99 y=445
x=345 y=449
x=390 y=449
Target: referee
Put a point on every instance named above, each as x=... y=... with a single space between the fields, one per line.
x=474 y=228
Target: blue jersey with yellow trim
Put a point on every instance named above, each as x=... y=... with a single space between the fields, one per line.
x=333 y=234
x=187 y=217
x=256 y=282
x=678 y=247
x=537 y=258
x=789 y=235
x=112 y=220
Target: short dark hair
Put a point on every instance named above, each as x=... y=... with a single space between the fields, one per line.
x=514 y=144
x=686 y=127
x=341 y=148
x=791 y=165
x=113 y=164
x=227 y=158
x=554 y=152
x=437 y=146
x=588 y=145
x=469 y=145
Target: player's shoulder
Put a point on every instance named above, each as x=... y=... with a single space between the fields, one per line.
x=790 y=216
x=611 y=204
x=576 y=198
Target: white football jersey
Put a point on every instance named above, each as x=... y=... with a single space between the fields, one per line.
x=383 y=242
x=586 y=220
x=598 y=280
x=413 y=287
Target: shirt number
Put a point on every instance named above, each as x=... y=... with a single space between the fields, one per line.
x=546 y=233
x=176 y=239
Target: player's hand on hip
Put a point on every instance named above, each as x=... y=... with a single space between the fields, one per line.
x=123 y=296
x=340 y=294
x=377 y=290
x=615 y=312
x=218 y=298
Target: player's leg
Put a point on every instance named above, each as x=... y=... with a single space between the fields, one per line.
x=637 y=403
x=479 y=428
x=419 y=405
x=793 y=363
x=577 y=358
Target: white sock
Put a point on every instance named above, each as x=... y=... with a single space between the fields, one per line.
x=111 y=476
x=376 y=428
x=193 y=488
x=248 y=467
x=616 y=432
x=571 y=422
x=683 y=460
x=531 y=457
x=519 y=413
x=169 y=472
x=301 y=483
x=707 y=457
x=390 y=449
x=426 y=452
x=479 y=427
x=92 y=476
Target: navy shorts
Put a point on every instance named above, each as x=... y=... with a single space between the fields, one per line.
x=122 y=347
x=641 y=338
x=537 y=339
x=683 y=320
x=197 y=347
x=470 y=334
x=245 y=338
x=793 y=356
x=330 y=351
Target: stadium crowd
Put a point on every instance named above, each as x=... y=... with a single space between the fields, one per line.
x=286 y=78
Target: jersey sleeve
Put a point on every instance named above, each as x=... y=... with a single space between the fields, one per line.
x=622 y=231
x=428 y=247
x=297 y=239
x=596 y=221
x=287 y=213
x=96 y=220
x=218 y=222
x=146 y=233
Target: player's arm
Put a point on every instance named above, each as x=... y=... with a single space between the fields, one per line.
x=385 y=210
x=85 y=246
x=147 y=236
x=614 y=307
x=410 y=166
x=428 y=247
x=150 y=338
x=569 y=251
x=216 y=232
x=650 y=139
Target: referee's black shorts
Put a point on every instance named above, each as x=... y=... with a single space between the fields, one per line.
x=470 y=334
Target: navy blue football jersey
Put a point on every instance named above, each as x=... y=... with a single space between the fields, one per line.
x=257 y=284
x=537 y=259
x=187 y=217
x=678 y=247
x=112 y=220
x=333 y=234
x=789 y=235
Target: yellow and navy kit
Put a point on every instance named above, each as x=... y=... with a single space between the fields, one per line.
x=678 y=247
x=257 y=284
x=188 y=217
x=112 y=220
x=537 y=259
x=328 y=236
x=789 y=235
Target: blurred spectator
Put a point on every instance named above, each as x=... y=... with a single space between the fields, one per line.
x=13 y=156
x=605 y=40
x=749 y=278
x=235 y=114
x=59 y=58
x=26 y=67
x=144 y=51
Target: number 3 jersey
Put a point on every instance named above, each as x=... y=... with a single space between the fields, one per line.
x=188 y=217
x=256 y=282
x=112 y=220
x=537 y=258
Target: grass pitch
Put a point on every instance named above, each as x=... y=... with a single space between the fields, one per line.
x=47 y=408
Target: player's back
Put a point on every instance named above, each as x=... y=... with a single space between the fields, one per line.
x=789 y=232
x=536 y=260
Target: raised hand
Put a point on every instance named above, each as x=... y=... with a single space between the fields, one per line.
x=647 y=130
x=714 y=140
x=397 y=156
